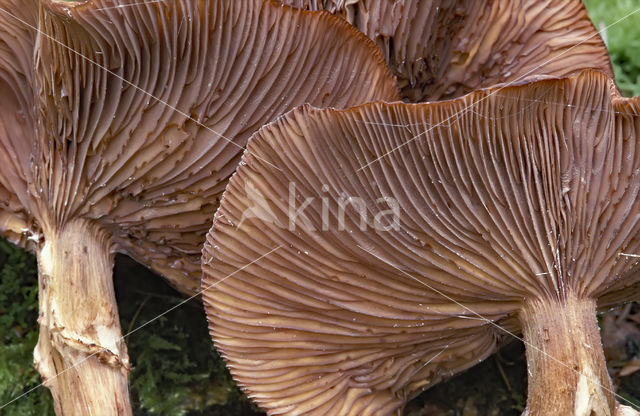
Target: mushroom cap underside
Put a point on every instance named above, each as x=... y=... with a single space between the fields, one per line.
x=399 y=241
x=140 y=112
x=444 y=49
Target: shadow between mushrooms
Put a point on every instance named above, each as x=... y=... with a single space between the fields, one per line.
x=120 y=124
x=442 y=49
x=402 y=243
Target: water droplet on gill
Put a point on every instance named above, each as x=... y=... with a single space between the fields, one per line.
x=306 y=252
x=412 y=235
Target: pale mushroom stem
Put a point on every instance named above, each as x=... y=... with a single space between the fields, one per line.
x=80 y=353
x=566 y=364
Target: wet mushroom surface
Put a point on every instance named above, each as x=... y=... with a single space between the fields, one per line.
x=444 y=49
x=403 y=243
x=120 y=125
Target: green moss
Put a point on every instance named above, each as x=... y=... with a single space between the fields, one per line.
x=622 y=37
x=19 y=334
x=176 y=369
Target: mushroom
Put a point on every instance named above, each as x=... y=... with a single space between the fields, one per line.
x=120 y=125
x=402 y=243
x=444 y=49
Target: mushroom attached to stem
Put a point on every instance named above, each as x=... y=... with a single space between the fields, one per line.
x=402 y=243
x=120 y=126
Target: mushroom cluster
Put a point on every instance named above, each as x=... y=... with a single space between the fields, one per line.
x=404 y=243
x=448 y=227
x=120 y=124
x=358 y=256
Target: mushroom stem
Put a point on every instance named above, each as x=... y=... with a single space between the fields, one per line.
x=81 y=354
x=566 y=364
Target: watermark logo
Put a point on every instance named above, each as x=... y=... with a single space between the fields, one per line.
x=259 y=207
x=322 y=212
